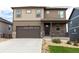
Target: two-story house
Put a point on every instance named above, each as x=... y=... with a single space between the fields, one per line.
x=36 y=22
x=74 y=25
x=5 y=28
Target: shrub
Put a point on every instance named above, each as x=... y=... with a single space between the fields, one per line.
x=69 y=42
x=56 y=40
x=75 y=44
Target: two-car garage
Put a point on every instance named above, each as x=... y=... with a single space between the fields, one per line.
x=28 y=32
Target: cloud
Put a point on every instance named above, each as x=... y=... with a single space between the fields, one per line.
x=6 y=11
x=6 y=14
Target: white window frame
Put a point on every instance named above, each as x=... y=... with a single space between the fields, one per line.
x=38 y=13
x=71 y=22
x=58 y=26
x=75 y=30
x=61 y=14
x=47 y=12
x=18 y=12
x=28 y=11
x=9 y=26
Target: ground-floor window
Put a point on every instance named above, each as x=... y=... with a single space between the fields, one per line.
x=57 y=28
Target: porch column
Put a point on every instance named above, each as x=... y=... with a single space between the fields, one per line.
x=42 y=29
x=50 y=28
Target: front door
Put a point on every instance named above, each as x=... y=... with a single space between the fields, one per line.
x=47 y=29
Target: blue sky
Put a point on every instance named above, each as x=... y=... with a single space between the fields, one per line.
x=6 y=14
x=6 y=11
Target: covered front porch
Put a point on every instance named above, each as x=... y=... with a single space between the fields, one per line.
x=53 y=28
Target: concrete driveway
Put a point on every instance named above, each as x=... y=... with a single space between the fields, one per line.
x=29 y=45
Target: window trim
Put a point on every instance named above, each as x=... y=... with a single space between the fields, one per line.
x=38 y=13
x=57 y=29
x=47 y=12
x=59 y=14
x=71 y=22
x=75 y=30
x=9 y=27
x=18 y=13
x=58 y=26
x=28 y=11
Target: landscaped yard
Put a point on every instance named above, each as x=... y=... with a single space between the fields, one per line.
x=61 y=49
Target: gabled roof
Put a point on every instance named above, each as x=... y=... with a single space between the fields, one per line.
x=75 y=12
x=5 y=21
x=41 y=7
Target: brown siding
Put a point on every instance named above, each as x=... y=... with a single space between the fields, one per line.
x=61 y=32
x=53 y=15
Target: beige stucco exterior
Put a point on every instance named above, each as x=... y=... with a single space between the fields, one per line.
x=32 y=20
x=31 y=16
x=53 y=15
x=24 y=23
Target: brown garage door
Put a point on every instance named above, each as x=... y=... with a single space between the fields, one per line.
x=27 y=32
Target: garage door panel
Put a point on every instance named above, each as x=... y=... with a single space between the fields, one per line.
x=28 y=32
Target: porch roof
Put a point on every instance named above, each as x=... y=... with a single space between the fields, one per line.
x=55 y=21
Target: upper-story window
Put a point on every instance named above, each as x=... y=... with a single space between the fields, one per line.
x=18 y=12
x=38 y=13
x=61 y=14
x=47 y=12
x=28 y=11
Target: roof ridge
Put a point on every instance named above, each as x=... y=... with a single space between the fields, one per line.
x=64 y=7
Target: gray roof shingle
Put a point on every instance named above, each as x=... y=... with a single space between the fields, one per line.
x=5 y=21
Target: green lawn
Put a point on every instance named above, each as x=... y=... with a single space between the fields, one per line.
x=60 y=49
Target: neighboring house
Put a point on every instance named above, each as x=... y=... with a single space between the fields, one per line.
x=74 y=25
x=36 y=22
x=5 y=28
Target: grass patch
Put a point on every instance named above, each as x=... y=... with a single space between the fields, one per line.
x=61 y=49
